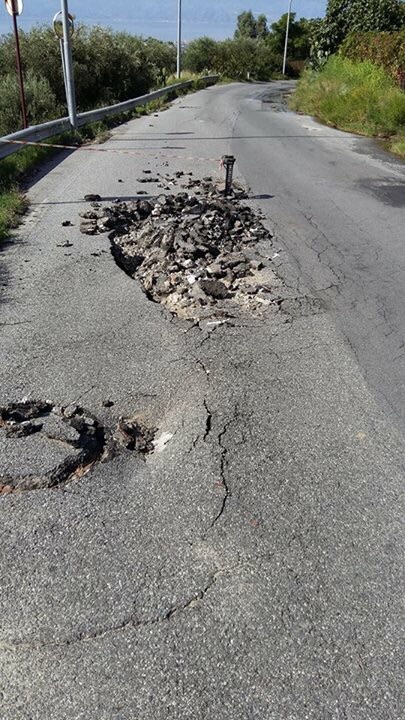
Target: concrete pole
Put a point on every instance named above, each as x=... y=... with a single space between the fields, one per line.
x=178 y=38
x=67 y=49
x=286 y=37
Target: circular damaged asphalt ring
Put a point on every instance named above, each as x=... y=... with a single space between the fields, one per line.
x=44 y=446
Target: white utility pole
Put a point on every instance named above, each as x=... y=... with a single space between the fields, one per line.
x=178 y=38
x=67 y=51
x=286 y=37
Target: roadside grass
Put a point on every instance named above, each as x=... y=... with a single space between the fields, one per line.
x=12 y=207
x=185 y=77
x=13 y=202
x=398 y=147
x=354 y=96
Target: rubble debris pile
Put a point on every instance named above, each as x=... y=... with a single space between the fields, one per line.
x=195 y=255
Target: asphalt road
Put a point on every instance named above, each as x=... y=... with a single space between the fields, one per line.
x=345 y=232
x=253 y=567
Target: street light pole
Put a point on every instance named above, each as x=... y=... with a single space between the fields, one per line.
x=67 y=48
x=178 y=38
x=286 y=37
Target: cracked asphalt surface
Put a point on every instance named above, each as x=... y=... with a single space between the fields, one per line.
x=251 y=567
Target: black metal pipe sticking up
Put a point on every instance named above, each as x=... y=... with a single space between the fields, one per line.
x=229 y=162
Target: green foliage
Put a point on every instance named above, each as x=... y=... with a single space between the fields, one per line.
x=299 y=37
x=267 y=63
x=384 y=49
x=246 y=26
x=162 y=58
x=109 y=67
x=267 y=53
x=246 y=58
x=41 y=101
x=354 y=96
x=398 y=147
x=235 y=58
x=261 y=27
x=12 y=206
x=255 y=52
x=199 y=55
x=345 y=16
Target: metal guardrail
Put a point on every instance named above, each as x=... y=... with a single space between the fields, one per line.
x=38 y=133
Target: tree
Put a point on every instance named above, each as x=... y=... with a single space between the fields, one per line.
x=236 y=58
x=261 y=27
x=199 y=55
x=345 y=16
x=266 y=62
x=161 y=56
x=41 y=102
x=246 y=26
x=299 y=37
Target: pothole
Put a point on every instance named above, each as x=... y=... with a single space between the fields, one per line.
x=46 y=446
x=52 y=444
x=133 y=434
x=193 y=253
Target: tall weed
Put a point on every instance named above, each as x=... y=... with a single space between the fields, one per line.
x=354 y=96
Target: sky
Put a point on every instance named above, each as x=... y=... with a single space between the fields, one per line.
x=216 y=18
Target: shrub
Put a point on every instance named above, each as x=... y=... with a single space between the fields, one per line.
x=345 y=16
x=243 y=58
x=386 y=49
x=356 y=96
x=109 y=67
x=41 y=102
x=200 y=55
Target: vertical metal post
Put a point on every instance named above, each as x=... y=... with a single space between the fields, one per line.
x=228 y=162
x=286 y=38
x=67 y=48
x=178 y=38
x=19 y=67
x=62 y=54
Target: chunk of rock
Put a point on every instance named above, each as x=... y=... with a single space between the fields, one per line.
x=216 y=269
x=88 y=227
x=214 y=288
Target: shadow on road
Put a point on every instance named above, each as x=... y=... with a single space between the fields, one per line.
x=4 y=276
x=36 y=174
x=105 y=198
